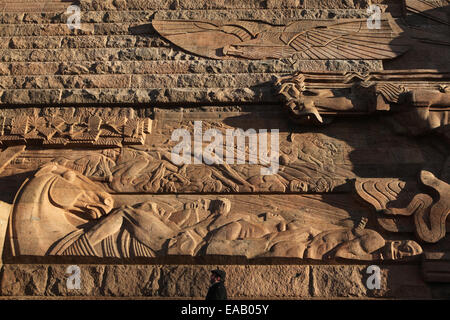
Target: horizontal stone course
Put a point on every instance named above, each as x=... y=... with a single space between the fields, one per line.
x=100 y=54
x=43 y=61
x=181 y=67
x=56 y=42
x=135 y=81
x=131 y=95
x=218 y=4
x=192 y=281
x=33 y=6
x=94 y=54
x=145 y=16
x=139 y=22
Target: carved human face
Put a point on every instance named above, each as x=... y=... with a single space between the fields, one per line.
x=202 y=204
x=213 y=278
x=298 y=186
x=403 y=249
x=222 y=206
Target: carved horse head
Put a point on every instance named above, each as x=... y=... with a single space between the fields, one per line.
x=54 y=203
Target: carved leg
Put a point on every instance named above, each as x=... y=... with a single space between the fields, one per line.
x=364 y=247
x=230 y=231
x=308 y=114
x=105 y=227
x=234 y=175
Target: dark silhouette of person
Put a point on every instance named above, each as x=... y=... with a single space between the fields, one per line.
x=217 y=290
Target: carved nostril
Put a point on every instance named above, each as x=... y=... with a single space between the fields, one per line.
x=108 y=201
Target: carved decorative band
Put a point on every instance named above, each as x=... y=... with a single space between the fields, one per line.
x=73 y=131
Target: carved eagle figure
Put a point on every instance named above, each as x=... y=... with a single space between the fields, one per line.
x=303 y=39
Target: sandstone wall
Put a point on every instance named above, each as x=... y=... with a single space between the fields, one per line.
x=118 y=66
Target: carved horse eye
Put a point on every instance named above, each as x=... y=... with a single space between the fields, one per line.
x=70 y=176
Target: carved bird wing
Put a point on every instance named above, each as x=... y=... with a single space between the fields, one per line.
x=351 y=39
x=428 y=21
x=207 y=38
x=429 y=9
x=346 y=40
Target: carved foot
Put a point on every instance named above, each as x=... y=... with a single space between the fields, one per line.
x=362 y=223
x=308 y=116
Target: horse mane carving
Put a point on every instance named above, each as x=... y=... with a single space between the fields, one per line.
x=54 y=203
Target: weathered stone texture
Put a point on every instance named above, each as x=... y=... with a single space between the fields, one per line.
x=116 y=37
x=120 y=59
x=4 y=218
x=220 y=4
x=190 y=281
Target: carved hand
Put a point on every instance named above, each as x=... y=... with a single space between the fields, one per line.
x=105 y=227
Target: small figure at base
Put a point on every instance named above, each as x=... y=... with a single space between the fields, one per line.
x=217 y=290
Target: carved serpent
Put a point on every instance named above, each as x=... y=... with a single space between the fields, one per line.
x=429 y=218
x=438 y=213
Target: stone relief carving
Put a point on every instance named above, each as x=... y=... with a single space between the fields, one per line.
x=427 y=214
x=70 y=129
x=433 y=24
x=145 y=171
x=427 y=9
x=9 y=154
x=309 y=163
x=416 y=109
x=303 y=39
x=308 y=96
x=322 y=39
x=355 y=243
x=55 y=203
x=61 y=212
